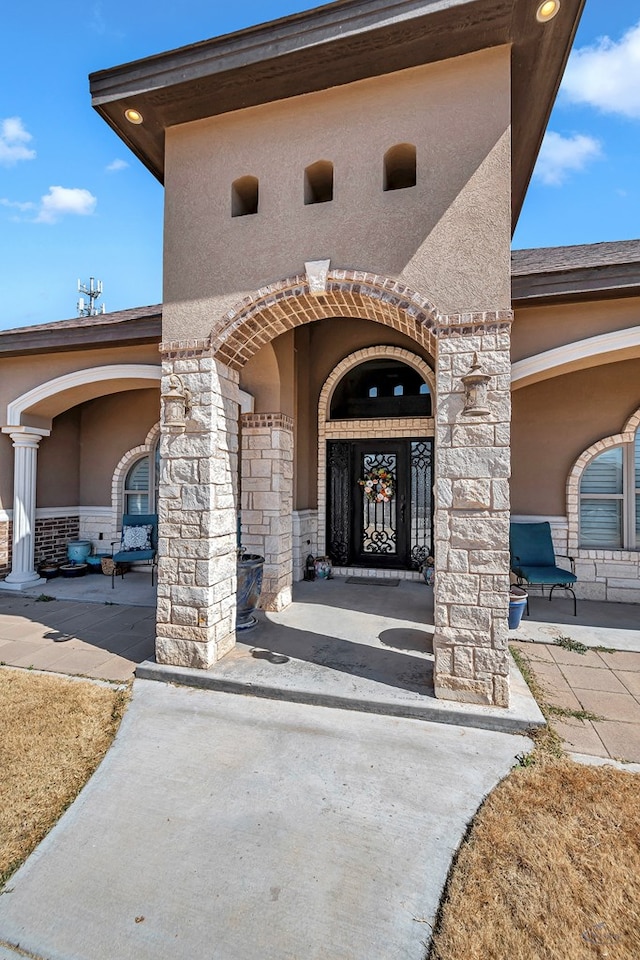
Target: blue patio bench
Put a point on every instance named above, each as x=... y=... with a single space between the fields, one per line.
x=533 y=559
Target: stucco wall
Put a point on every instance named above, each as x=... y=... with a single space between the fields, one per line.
x=536 y=329
x=110 y=426
x=448 y=236
x=556 y=420
x=58 y=483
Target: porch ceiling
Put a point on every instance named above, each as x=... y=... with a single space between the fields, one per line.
x=336 y=44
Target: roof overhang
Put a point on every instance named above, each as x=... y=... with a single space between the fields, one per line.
x=336 y=44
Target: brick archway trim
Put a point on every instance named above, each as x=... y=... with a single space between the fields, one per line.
x=627 y=435
x=289 y=303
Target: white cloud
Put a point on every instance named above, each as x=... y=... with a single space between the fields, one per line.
x=559 y=156
x=16 y=204
x=116 y=165
x=62 y=200
x=606 y=75
x=13 y=140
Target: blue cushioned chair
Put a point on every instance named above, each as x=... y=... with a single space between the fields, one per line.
x=533 y=559
x=132 y=555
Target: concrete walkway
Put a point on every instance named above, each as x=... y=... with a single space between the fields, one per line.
x=237 y=828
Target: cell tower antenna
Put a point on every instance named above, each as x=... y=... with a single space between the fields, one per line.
x=93 y=291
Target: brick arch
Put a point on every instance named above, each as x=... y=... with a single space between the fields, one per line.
x=289 y=303
x=370 y=353
x=122 y=468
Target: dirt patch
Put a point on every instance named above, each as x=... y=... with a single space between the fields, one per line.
x=55 y=731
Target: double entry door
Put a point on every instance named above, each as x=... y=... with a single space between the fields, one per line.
x=380 y=502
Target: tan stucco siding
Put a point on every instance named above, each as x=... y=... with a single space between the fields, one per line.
x=110 y=427
x=58 y=481
x=556 y=420
x=537 y=329
x=448 y=236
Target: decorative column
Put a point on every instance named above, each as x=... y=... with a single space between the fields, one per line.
x=267 y=501
x=197 y=507
x=25 y=470
x=472 y=508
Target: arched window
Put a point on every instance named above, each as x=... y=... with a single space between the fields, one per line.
x=140 y=493
x=400 y=167
x=318 y=182
x=610 y=498
x=381 y=388
x=244 y=196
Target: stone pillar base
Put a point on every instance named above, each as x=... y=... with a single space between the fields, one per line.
x=275 y=602
x=199 y=654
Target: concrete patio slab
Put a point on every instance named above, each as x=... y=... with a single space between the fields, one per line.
x=580 y=736
x=592 y=678
x=598 y=623
x=622 y=740
x=247 y=829
x=96 y=640
x=598 y=689
x=134 y=589
x=612 y=706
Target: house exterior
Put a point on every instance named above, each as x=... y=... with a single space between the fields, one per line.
x=341 y=187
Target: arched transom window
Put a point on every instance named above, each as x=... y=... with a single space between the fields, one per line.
x=610 y=498
x=381 y=388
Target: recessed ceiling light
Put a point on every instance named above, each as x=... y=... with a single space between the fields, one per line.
x=547 y=10
x=133 y=116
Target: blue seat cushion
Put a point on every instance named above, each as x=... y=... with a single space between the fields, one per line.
x=545 y=574
x=128 y=556
x=531 y=544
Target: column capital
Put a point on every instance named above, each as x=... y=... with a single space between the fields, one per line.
x=26 y=436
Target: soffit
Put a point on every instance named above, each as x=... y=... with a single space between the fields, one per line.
x=336 y=44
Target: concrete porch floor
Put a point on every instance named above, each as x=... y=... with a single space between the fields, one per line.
x=363 y=647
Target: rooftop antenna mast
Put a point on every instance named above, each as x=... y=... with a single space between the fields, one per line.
x=93 y=292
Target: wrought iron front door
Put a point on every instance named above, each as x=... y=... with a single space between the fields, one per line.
x=380 y=502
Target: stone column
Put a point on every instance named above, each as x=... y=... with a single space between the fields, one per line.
x=25 y=470
x=472 y=513
x=197 y=510
x=267 y=501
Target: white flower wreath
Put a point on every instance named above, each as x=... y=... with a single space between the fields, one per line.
x=377 y=485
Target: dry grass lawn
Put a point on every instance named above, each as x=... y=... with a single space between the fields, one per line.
x=550 y=869
x=54 y=733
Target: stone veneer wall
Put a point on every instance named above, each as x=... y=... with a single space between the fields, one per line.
x=197 y=510
x=267 y=501
x=472 y=513
x=305 y=540
x=101 y=526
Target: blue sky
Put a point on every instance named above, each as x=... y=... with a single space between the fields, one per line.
x=74 y=203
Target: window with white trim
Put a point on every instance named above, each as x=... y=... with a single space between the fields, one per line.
x=140 y=493
x=610 y=499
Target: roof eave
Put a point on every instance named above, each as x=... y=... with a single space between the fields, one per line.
x=128 y=333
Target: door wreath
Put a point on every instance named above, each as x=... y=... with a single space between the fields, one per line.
x=377 y=485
